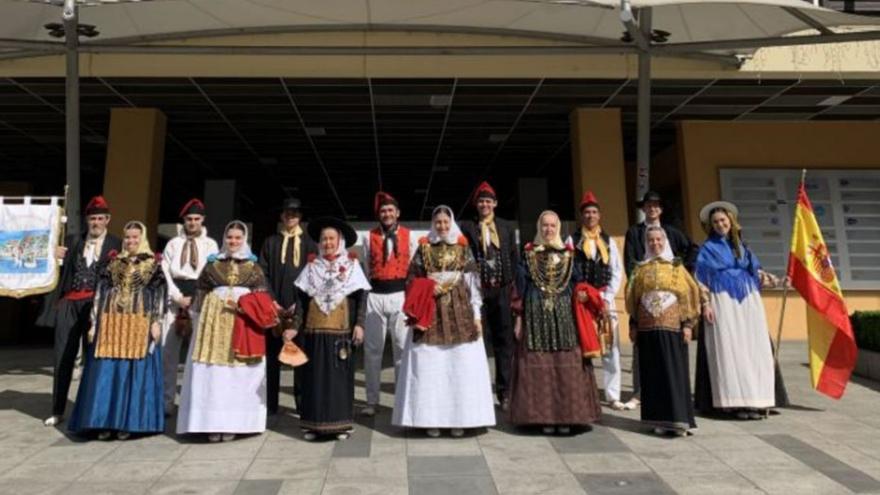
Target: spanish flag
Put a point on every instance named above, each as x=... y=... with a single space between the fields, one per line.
x=831 y=340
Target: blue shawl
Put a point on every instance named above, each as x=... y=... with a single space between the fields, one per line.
x=720 y=270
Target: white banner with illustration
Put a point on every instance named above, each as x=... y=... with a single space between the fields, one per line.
x=29 y=233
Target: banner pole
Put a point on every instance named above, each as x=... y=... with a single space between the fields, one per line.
x=785 y=284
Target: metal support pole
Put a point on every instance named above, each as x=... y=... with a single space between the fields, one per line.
x=643 y=139
x=71 y=114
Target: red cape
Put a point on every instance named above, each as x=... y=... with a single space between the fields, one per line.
x=256 y=314
x=586 y=314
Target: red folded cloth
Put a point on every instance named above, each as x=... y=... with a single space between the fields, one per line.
x=419 y=303
x=586 y=314
x=256 y=314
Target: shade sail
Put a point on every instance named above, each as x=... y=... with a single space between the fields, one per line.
x=586 y=22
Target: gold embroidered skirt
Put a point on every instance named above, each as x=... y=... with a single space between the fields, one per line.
x=213 y=344
x=122 y=335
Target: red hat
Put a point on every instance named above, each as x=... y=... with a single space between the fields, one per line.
x=381 y=199
x=97 y=206
x=589 y=199
x=484 y=190
x=193 y=207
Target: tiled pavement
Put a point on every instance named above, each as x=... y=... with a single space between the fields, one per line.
x=819 y=446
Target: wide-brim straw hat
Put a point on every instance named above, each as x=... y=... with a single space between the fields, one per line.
x=707 y=210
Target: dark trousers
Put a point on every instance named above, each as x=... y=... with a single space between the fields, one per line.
x=273 y=371
x=71 y=328
x=498 y=317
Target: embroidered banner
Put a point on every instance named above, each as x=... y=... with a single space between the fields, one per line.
x=28 y=236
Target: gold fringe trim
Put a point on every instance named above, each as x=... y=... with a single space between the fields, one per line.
x=123 y=336
x=213 y=343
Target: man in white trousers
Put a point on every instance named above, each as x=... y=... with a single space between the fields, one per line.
x=388 y=249
x=598 y=263
x=183 y=259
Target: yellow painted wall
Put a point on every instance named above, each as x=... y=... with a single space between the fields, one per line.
x=704 y=147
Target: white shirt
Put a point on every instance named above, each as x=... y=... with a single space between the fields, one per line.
x=171 y=260
x=92 y=248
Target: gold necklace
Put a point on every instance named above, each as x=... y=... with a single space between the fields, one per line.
x=550 y=271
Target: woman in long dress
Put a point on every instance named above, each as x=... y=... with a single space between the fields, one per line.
x=738 y=350
x=121 y=387
x=223 y=394
x=444 y=375
x=330 y=311
x=553 y=384
x=664 y=301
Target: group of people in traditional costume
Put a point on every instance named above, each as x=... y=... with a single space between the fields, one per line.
x=548 y=307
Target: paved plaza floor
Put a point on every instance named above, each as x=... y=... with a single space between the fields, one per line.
x=817 y=446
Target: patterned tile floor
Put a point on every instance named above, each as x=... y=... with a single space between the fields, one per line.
x=818 y=446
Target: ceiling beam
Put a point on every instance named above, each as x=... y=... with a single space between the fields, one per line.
x=375 y=132
x=438 y=149
x=484 y=175
x=314 y=147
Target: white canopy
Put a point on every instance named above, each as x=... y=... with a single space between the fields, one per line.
x=692 y=24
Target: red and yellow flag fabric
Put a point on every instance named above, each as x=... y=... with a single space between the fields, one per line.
x=831 y=341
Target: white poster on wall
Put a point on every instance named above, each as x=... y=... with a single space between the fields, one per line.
x=28 y=236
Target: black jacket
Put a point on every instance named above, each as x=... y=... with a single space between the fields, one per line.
x=74 y=245
x=634 y=246
x=507 y=239
x=281 y=277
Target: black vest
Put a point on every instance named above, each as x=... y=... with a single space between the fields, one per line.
x=593 y=271
x=84 y=277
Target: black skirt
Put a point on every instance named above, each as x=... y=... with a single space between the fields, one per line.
x=326 y=404
x=666 y=390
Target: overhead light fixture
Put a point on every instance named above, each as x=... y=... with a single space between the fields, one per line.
x=833 y=101
x=440 y=101
x=316 y=131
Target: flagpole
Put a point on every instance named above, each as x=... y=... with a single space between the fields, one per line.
x=785 y=285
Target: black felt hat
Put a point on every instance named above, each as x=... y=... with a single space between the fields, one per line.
x=291 y=204
x=650 y=196
x=319 y=224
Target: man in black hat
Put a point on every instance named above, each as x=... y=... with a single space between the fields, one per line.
x=68 y=308
x=634 y=252
x=634 y=244
x=282 y=258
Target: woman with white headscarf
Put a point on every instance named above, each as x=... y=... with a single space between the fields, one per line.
x=444 y=375
x=330 y=311
x=553 y=382
x=223 y=394
x=664 y=301
x=121 y=387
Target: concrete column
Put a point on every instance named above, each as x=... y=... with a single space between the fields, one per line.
x=597 y=165
x=222 y=205
x=532 y=199
x=133 y=175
